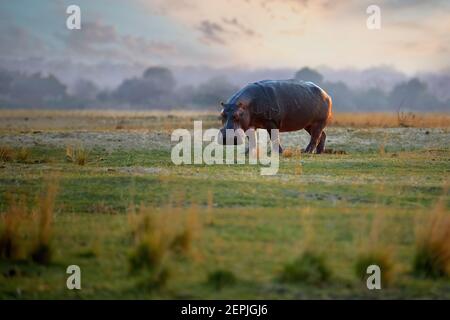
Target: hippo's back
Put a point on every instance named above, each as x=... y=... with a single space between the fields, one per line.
x=290 y=103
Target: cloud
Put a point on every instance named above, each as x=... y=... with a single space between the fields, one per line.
x=91 y=38
x=239 y=26
x=18 y=41
x=284 y=33
x=251 y=33
x=400 y=4
x=211 y=32
x=215 y=33
x=99 y=40
x=139 y=44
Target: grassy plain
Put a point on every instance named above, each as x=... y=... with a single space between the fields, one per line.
x=379 y=188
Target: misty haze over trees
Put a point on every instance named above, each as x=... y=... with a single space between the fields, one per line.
x=159 y=88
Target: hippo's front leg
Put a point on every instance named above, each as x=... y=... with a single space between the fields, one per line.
x=275 y=139
x=252 y=148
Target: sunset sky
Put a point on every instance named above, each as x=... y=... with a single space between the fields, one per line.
x=250 y=33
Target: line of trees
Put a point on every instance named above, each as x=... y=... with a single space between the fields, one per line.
x=412 y=94
x=156 y=88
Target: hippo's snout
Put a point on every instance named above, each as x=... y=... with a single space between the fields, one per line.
x=222 y=138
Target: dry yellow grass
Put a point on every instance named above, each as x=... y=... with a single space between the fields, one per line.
x=390 y=120
x=6 y=153
x=27 y=231
x=11 y=222
x=42 y=250
x=432 y=258
x=292 y=152
x=161 y=236
x=162 y=231
x=25 y=113
x=162 y=120
x=373 y=251
x=76 y=154
x=23 y=155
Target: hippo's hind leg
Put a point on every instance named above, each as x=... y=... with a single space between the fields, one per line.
x=321 y=145
x=315 y=130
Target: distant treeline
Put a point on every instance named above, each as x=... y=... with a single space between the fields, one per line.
x=157 y=89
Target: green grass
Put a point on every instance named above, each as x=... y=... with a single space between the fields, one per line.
x=253 y=227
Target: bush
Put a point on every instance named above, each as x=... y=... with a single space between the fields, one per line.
x=309 y=268
x=219 y=279
x=9 y=234
x=42 y=250
x=23 y=155
x=27 y=233
x=148 y=254
x=379 y=257
x=181 y=243
x=76 y=155
x=159 y=236
x=42 y=253
x=154 y=280
x=6 y=154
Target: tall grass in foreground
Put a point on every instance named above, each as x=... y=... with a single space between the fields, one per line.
x=218 y=279
x=160 y=236
x=379 y=257
x=311 y=266
x=209 y=208
x=432 y=256
x=10 y=231
x=42 y=250
x=374 y=252
x=26 y=233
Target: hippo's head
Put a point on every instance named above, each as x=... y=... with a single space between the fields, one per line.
x=234 y=116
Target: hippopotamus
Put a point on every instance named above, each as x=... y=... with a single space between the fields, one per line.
x=286 y=105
